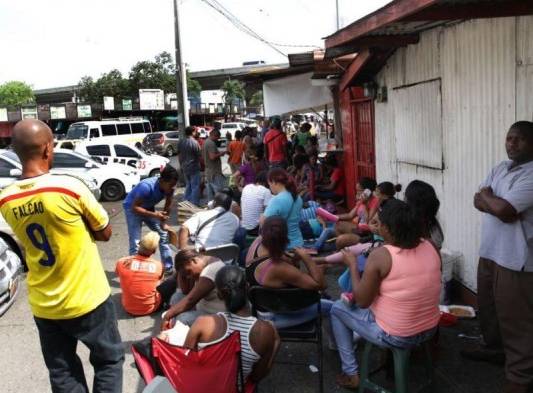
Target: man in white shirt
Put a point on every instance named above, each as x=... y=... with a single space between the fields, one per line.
x=254 y=199
x=210 y=228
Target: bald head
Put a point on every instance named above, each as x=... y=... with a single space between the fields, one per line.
x=32 y=139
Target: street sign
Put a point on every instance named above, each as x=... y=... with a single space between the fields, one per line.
x=84 y=111
x=127 y=105
x=3 y=114
x=109 y=103
x=28 y=113
x=57 y=112
x=151 y=99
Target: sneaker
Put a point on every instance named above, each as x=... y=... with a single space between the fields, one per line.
x=484 y=355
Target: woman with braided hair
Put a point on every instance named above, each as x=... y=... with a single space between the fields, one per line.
x=259 y=339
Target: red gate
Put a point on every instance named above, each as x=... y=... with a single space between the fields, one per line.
x=357 y=116
x=363 y=138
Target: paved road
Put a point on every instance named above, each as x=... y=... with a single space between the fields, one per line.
x=22 y=368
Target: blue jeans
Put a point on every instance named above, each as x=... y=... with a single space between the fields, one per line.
x=285 y=320
x=187 y=317
x=134 y=223
x=214 y=184
x=325 y=235
x=345 y=320
x=192 y=187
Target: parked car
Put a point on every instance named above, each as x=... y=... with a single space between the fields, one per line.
x=147 y=165
x=11 y=267
x=162 y=142
x=11 y=169
x=232 y=128
x=114 y=180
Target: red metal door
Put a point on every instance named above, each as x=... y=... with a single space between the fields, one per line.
x=363 y=138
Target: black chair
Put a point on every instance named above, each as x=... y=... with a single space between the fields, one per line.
x=290 y=300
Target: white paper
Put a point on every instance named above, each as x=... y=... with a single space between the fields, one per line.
x=178 y=334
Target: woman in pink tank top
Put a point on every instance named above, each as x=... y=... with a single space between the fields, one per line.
x=397 y=299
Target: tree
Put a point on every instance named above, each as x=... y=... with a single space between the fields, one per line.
x=257 y=98
x=194 y=88
x=110 y=84
x=160 y=74
x=157 y=74
x=16 y=93
x=233 y=90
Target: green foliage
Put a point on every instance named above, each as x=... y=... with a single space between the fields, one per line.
x=257 y=98
x=194 y=88
x=16 y=93
x=233 y=89
x=159 y=73
x=109 y=84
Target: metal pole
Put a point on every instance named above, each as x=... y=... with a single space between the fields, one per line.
x=337 y=9
x=181 y=78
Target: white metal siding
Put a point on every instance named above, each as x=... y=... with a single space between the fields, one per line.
x=485 y=81
x=418 y=120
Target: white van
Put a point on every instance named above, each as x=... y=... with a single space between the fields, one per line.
x=147 y=165
x=126 y=130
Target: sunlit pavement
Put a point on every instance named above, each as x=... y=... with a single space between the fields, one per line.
x=23 y=370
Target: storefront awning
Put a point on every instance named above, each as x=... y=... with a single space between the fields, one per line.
x=294 y=94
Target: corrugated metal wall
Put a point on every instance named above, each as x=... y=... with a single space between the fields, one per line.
x=486 y=73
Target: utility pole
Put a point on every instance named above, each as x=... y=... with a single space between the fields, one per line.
x=337 y=9
x=181 y=77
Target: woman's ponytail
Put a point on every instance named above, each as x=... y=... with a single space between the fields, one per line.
x=231 y=286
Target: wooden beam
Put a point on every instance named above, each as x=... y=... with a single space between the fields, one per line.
x=488 y=9
x=354 y=68
x=391 y=13
x=391 y=41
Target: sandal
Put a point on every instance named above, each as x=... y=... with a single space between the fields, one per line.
x=348 y=381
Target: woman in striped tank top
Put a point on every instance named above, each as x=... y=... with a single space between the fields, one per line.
x=259 y=339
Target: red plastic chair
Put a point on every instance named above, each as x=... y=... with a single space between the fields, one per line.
x=214 y=369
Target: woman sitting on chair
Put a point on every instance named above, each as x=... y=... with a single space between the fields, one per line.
x=259 y=339
x=278 y=269
x=397 y=299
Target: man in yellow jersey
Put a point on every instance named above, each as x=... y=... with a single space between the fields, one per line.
x=58 y=220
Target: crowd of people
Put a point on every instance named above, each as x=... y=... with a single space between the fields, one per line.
x=286 y=210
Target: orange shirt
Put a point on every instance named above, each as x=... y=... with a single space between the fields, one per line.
x=236 y=150
x=139 y=277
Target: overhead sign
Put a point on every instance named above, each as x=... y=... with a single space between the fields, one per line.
x=127 y=105
x=109 y=103
x=57 y=112
x=28 y=113
x=3 y=114
x=151 y=99
x=84 y=111
x=172 y=101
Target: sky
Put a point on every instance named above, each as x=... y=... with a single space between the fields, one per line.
x=51 y=43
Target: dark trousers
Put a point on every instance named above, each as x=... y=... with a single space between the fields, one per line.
x=167 y=288
x=505 y=300
x=98 y=330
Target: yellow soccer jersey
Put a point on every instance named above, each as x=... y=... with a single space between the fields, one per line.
x=51 y=216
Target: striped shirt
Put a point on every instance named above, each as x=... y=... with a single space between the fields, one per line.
x=243 y=325
x=254 y=199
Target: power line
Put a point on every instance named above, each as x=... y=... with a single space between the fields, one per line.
x=247 y=30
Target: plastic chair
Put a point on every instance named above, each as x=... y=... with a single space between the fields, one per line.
x=401 y=369
x=229 y=253
x=290 y=300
